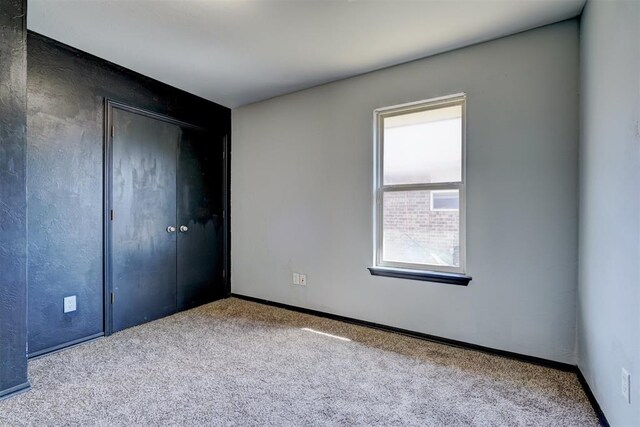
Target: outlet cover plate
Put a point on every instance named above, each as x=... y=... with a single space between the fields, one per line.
x=625 y=385
x=70 y=304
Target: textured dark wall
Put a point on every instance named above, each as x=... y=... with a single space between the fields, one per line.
x=66 y=92
x=13 y=257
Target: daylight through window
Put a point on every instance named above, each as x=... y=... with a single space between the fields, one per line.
x=419 y=190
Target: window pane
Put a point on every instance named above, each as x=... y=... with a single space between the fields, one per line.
x=423 y=147
x=445 y=200
x=415 y=233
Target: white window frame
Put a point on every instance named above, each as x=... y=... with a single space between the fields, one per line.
x=379 y=189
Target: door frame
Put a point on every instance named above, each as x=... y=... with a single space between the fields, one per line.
x=109 y=106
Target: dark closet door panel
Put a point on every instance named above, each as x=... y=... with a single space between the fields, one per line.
x=200 y=204
x=144 y=203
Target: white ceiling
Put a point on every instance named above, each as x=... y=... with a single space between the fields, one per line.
x=235 y=52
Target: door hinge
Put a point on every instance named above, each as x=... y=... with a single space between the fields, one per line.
x=224 y=274
x=112 y=131
x=113 y=297
x=223 y=154
x=111 y=214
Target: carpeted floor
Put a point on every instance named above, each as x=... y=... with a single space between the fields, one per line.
x=234 y=362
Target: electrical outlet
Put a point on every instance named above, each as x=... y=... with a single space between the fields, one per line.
x=625 y=385
x=303 y=280
x=296 y=278
x=70 y=304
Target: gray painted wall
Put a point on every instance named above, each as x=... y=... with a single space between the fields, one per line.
x=302 y=185
x=609 y=278
x=13 y=199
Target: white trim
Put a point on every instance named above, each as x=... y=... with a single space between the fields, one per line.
x=427 y=104
x=379 y=188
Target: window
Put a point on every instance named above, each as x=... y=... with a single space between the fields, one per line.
x=419 y=190
x=445 y=200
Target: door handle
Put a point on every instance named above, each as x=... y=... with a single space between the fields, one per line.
x=184 y=228
x=171 y=229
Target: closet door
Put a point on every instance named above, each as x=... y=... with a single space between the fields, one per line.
x=200 y=224
x=143 y=228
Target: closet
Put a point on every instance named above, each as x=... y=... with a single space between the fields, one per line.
x=164 y=226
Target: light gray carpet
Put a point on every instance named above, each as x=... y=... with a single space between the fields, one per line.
x=234 y=362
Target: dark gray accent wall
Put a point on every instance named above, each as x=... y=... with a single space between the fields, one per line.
x=66 y=93
x=13 y=209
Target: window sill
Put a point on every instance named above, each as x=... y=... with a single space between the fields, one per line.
x=425 y=276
